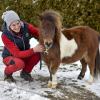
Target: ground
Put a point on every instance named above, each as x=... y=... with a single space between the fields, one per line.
x=69 y=87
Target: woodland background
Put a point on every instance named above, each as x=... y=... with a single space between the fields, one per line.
x=74 y=12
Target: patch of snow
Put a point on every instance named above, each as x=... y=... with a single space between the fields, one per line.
x=1 y=43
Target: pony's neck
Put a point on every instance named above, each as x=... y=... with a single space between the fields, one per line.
x=58 y=37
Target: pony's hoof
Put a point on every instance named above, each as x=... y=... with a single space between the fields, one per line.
x=54 y=86
x=91 y=80
x=80 y=77
x=49 y=84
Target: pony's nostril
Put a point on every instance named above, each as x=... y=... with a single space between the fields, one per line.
x=48 y=44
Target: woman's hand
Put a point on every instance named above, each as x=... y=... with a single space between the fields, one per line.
x=38 y=48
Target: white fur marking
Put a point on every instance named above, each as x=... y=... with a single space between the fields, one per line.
x=99 y=48
x=90 y=79
x=67 y=47
x=54 y=79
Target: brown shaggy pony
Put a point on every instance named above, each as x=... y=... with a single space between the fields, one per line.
x=68 y=45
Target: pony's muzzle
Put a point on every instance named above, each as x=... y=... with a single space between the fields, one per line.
x=48 y=44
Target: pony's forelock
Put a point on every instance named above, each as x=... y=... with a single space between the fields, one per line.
x=54 y=17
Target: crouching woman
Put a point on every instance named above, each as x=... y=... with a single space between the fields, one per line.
x=17 y=54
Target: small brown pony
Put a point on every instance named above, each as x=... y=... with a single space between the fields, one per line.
x=68 y=45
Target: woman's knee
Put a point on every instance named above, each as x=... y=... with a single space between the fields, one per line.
x=19 y=63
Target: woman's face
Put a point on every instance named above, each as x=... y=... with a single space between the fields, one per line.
x=15 y=26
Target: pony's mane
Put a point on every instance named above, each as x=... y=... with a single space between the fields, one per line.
x=53 y=17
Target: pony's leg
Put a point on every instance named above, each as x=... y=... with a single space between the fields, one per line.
x=53 y=78
x=50 y=80
x=91 y=67
x=83 y=70
x=53 y=83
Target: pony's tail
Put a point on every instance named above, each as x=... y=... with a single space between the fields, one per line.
x=97 y=62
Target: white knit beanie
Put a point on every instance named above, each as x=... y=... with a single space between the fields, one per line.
x=10 y=16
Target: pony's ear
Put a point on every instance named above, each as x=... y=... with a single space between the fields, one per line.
x=67 y=33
